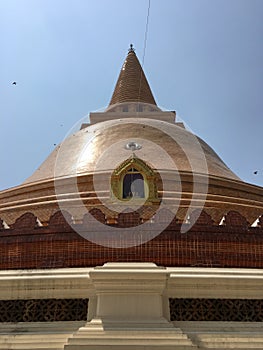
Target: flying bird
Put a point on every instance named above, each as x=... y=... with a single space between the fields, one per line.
x=14 y=83
x=255 y=172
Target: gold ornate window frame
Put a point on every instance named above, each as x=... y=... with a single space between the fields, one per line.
x=149 y=176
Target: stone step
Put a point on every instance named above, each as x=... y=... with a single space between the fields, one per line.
x=233 y=347
x=231 y=337
x=232 y=340
x=31 y=346
x=221 y=327
x=130 y=347
x=130 y=334
x=33 y=337
x=10 y=347
x=236 y=346
x=40 y=327
x=127 y=341
x=229 y=341
x=32 y=341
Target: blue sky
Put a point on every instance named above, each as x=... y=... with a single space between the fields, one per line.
x=203 y=59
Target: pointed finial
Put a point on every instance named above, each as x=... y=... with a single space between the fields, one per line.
x=131 y=49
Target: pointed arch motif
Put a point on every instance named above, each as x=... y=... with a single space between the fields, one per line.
x=26 y=221
x=144 y=184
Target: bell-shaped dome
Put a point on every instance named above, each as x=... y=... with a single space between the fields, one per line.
x=101 y=147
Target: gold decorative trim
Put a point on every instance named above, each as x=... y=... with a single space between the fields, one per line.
x=149 y=176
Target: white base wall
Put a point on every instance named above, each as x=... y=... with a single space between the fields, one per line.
x=129 y=308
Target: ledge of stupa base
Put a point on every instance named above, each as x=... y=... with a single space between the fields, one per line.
x=129 y=334
x=112 y=324
x=122 y=346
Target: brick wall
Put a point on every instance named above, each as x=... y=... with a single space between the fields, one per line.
x=233 y=244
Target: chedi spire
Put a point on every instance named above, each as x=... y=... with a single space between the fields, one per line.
x=132 y=85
